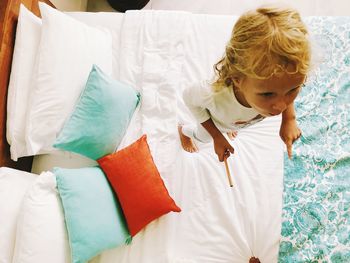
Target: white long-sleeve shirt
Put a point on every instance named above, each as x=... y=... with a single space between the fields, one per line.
x=222 y=107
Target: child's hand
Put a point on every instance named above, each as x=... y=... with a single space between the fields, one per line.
x=222 y=148
x=289 y=133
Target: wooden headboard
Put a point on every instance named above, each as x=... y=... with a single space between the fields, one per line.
x=8 y=21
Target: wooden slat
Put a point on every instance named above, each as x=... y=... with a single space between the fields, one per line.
x=8 y=20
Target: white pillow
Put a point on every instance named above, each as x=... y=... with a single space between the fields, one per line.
x=24 y=55
x=13 y=185
x=41 y=232
x=67 y=51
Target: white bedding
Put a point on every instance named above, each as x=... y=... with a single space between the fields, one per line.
x=13 y=185
x=160 y=53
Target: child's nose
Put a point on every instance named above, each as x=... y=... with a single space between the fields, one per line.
x=279 y=107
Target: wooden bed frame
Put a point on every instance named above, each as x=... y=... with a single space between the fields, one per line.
x=9 y=10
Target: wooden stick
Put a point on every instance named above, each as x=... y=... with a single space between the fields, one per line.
x=228 y=173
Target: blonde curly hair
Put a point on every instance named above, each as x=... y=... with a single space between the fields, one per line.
x=264 y=42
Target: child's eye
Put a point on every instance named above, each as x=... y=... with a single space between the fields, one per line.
x=296 y=89
x=266 y=94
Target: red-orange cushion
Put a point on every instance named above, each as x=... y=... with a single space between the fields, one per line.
x=138 y=185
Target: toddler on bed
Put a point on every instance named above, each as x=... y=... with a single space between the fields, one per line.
x=263 y=70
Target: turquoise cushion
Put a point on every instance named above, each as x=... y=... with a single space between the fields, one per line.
x=92 y=213
x=100 y=118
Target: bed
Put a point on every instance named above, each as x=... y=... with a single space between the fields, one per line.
x=278 y=210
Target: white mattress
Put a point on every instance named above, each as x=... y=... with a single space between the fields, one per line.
x=160 y=53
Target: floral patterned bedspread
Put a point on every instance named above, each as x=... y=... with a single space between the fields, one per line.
x=316 y=199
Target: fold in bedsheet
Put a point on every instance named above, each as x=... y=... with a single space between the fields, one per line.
x=316 y=210
x=162 y=52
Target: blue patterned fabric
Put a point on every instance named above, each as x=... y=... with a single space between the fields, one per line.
x=316 y=200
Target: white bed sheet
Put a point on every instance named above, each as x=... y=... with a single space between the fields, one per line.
x=160 y=53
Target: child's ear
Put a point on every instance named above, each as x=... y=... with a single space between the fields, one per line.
x=237 y=82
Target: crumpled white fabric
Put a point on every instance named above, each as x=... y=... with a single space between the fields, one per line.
x=160 y=53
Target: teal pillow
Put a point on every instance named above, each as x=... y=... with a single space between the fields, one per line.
x=94 y=219
x=100 y=118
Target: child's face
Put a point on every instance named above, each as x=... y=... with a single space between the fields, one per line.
x=272 y=96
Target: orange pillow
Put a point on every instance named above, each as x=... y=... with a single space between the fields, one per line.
x=138 y=185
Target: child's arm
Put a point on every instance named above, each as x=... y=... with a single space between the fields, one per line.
x=289 y=130
x=221 y=145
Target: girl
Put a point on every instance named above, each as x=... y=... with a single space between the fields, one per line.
x=263 y=69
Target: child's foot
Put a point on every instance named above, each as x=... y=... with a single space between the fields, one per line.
x=232 y=134
x=187 y=143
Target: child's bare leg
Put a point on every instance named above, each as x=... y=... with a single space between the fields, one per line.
x=187 y=143
x=232 y=134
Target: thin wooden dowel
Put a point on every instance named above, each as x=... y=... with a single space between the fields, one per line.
x=228 y=173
